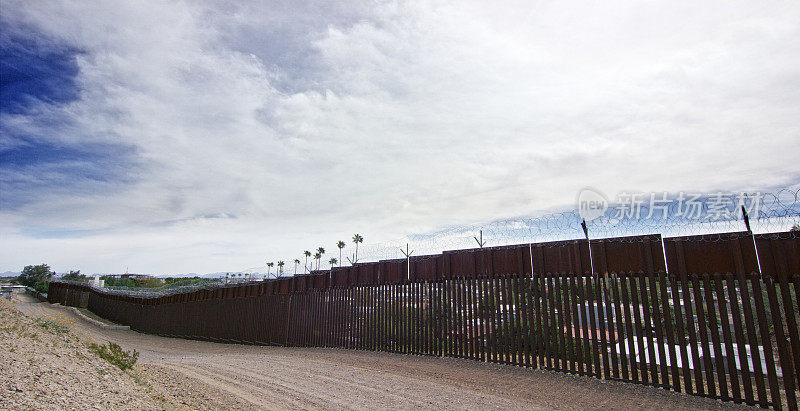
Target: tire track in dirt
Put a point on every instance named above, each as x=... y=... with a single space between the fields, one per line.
x=316 y=383
x=279 y=387
x=231 y=385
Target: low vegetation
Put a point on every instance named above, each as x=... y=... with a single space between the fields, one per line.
x=45 y=364
x=115 y=355
x=184 y=281
x=51 y=325
x=151 y=282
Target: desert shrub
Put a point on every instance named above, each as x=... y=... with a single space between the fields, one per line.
x=114 y=354
x=52 y=326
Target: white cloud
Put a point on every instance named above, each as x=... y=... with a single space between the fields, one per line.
x=386 y=118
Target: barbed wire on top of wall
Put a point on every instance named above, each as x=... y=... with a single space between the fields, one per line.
x=633 y=214
x=777 y=211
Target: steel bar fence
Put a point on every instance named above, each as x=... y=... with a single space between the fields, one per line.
x=698 y=318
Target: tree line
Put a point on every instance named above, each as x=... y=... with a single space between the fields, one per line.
x=320 y=251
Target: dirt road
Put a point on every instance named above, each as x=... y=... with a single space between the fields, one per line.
x=206 y=375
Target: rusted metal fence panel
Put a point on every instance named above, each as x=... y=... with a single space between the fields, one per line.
x=561 y=256
x=392 y=271
x=711 y=254
x=323 y=280
x=628 y=254
x=462 y=263
x=338 y=278
x=367 y=274
x=779 y=254
x=424 y=268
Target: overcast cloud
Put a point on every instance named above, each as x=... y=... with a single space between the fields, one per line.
x=206 y=136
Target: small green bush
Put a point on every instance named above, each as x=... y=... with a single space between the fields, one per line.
x=114 y=354
x=52 y=326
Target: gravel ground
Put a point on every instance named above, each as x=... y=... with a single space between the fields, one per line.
x=47 y=367
x=204 y=375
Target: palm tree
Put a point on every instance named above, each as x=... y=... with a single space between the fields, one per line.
x=280 y=268
x=357 y=238
x=321 y=251
x=296 y=261
x=269 y=267
x=333 y=261
x=341 y=245
x=307 y=254
x=317 y=256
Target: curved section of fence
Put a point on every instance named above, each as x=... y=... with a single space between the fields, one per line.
x=713 y=315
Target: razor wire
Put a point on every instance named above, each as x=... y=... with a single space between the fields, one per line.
x=164 y=290
x=779 y=211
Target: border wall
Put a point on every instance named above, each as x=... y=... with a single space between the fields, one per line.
x=710 y=315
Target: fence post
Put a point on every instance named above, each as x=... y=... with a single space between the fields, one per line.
x=746 y=219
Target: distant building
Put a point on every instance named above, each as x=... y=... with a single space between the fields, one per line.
x=134 y=276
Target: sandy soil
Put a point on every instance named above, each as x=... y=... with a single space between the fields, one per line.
x=204 y=375
x=44 y=366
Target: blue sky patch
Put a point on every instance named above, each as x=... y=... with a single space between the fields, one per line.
x=37 y=167
x=33 y=69
x=50 y=159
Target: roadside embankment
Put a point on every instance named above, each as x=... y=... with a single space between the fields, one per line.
x=45 y=366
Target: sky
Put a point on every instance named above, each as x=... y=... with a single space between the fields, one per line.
x=211 y=136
